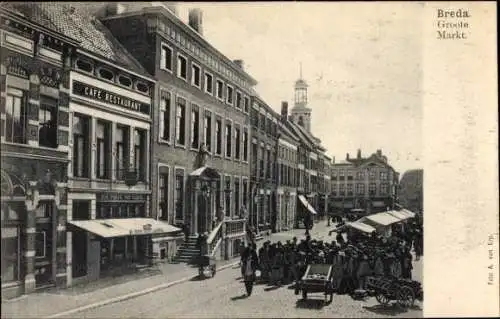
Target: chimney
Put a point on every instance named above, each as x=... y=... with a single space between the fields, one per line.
x=359 y=153
x=333 y=160
x=284 y=111
x=379 y=153
x=347 y=156
x=115 y=8
x=239 y=63
x=196 y=20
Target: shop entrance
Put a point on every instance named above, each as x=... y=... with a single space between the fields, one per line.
x=44 y=243
x=81 y=211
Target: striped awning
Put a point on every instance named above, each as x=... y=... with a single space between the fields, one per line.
x=119 y=227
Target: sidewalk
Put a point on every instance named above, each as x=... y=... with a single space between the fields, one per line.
x=55 y=301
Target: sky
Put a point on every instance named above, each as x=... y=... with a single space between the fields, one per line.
x=362 y=62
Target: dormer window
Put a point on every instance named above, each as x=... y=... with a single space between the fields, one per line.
x=125 y=81
x=84 y=65
x=106 y=74
x=141 y=87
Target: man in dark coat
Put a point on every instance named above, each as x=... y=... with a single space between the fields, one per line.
x=250 y=264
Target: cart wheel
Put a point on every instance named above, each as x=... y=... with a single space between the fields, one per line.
x=214 y=271
x=200 y=271
x=406 y=297
x=331 y=297
x=304 y=294
x=382 y=298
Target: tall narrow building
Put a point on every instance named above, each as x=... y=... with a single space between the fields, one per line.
x=300 y=113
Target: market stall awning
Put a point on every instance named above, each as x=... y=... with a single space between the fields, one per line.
x=309 y=207
x=384 y=218
x=362 y=227
x=407 y=212
x=205 y=171
x=119 y=227
x=398 y=214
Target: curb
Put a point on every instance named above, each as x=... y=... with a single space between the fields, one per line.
x=131 y=295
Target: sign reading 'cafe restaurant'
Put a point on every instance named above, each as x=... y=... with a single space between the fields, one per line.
x=108 y=97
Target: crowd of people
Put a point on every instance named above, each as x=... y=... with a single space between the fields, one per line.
x=353 y=257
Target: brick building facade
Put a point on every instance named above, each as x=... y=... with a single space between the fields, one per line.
x=34 y=130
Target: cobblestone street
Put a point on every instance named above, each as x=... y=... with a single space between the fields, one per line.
x=223 y=297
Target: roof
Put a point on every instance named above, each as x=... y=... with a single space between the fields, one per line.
x=159 y=8
x=93 y=36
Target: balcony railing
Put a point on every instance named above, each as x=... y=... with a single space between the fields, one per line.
x=235 y=227
x=214 y=239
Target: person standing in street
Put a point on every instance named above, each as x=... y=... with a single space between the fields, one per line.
x=250 y=263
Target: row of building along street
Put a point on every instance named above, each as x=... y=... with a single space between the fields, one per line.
x=122 y=125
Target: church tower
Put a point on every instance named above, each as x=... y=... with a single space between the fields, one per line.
x=300 y=113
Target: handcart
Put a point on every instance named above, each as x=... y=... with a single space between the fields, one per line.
x=206 y=264
x=317 y=279
x=387 y=289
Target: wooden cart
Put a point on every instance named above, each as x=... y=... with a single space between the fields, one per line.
x=403 y=291
x=317 y=279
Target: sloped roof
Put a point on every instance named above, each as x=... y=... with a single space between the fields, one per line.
x=79 y=25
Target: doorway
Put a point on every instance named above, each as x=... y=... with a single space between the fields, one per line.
x=79 y=244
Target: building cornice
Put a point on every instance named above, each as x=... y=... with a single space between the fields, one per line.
x=160 y=10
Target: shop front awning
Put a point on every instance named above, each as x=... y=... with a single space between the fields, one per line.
x=306 y=204
x=384 y=218
x=119 y=227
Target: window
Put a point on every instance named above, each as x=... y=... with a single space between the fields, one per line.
x=125 y=81
x=80 y=145
x=341 y=174
x=245 y=192
x=102 y=140
x=180 y=122
x=237 y=142
x=246 y=104
x=238 y=100
x=121 y=151
x=245 y=145
x=195 y=75
x=360 y=189
x=139 y=154
x=383 y=176
x=165 y=116
x=179 y=193
x=15 y=121
x=195 y=126
x=166 y=58
x=342 y=189
x=207 y=127
x=254 y=117
x=237 y=205
x=40 y=244
x=106 y=74
x=47 y=117
x=227 y=196
x=209 y=85
x=262 y=121
x=181 y=67
x=361 y=175
x=373 y=188
x=384 y=189
x=372 y=174
x=163 y=182
x=220 y=89
x=349 y=189
x=218 y=137
x=228 y=139
x=84 y=66
x=11 y=253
